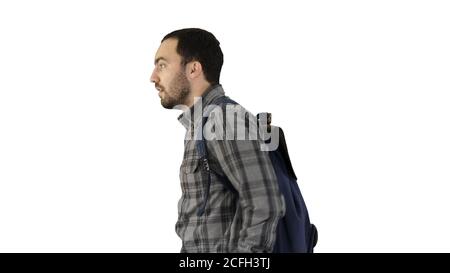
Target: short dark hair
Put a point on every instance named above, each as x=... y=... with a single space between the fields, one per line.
x=199 y=45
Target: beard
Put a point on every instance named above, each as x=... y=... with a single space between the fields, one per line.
x=179 y=90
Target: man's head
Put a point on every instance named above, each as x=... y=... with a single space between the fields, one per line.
x=186 y=63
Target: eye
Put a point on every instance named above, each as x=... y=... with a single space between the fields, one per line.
x=161 y=66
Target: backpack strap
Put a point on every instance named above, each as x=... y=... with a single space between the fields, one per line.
x=202 y=151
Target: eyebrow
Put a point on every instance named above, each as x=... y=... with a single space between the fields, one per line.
x=159 y=59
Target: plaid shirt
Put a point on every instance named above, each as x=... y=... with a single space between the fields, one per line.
x=242 y=222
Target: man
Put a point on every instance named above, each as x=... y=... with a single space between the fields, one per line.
x=240 y=218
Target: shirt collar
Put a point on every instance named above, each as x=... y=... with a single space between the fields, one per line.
x=210 y=94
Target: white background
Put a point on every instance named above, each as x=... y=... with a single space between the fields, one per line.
x=89 y=159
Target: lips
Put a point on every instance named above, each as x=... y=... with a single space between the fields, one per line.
x=160 y=93
x=160 y=90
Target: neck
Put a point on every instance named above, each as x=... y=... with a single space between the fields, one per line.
x=198 y=91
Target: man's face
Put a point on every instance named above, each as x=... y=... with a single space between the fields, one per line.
x=169 y=76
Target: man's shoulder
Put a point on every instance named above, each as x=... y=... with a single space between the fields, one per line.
x=228 y=108
x=225 y=120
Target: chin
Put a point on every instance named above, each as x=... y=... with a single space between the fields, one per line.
x=167 y=106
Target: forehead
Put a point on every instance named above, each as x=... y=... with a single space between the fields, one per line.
x=168 y=50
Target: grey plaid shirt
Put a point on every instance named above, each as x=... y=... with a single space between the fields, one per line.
x=241 y=221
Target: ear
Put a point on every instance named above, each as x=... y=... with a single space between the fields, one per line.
x=194 y=69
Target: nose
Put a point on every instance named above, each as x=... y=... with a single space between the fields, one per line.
x=154 y=77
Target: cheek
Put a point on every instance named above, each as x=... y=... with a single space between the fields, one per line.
x=165 y=78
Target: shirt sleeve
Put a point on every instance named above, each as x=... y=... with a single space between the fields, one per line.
x=250 y=171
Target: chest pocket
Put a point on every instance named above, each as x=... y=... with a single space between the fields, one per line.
x=192 y=175
x=190 y=165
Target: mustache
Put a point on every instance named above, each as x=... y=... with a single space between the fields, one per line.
x=159 y=87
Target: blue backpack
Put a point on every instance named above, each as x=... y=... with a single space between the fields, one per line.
x=295 y=233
